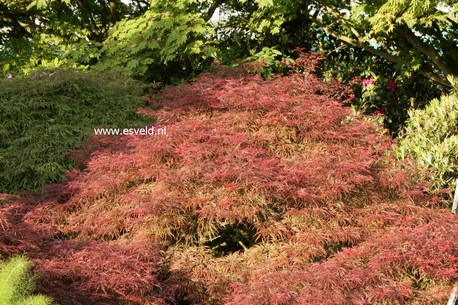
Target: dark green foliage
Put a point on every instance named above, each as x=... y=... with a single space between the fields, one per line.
x=39 y=33
x=232 y=238
x=44 y=116
x=391 y=94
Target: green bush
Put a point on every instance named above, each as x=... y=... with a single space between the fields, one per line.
x=46 y=115
x=431 y=137
x=16 y=284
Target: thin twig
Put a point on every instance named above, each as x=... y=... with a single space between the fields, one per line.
x=455 y=199
x=452 y=300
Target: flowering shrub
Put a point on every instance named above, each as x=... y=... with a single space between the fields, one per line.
x=391 y=97
x=368 y=82
x=262 y=192
x=392 y=85
x=379 y=86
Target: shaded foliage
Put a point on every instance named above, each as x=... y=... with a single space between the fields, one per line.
x=392 y=92
x=415 y=35
x=38 y=33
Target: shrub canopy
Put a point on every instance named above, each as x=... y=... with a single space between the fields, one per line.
x=261 y=192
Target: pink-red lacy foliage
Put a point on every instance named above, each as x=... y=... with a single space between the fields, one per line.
x=280 y=156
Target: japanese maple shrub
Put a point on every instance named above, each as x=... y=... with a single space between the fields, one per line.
x=260 y=192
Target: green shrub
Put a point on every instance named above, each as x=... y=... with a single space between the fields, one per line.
x=46 y=115
x=16 y=284
x=431 y=137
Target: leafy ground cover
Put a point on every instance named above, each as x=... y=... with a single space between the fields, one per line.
x=261 y=192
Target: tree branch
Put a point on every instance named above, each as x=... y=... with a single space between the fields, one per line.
x=114 y=11
x=86 y=12
x=447 y=46
x=360 y=43
x=426 y=49
x=22 y=28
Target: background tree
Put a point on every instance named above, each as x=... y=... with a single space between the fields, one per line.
x=408 y=48
x=37 y=32
x=416 y=35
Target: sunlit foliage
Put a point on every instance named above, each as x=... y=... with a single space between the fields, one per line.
x=261 y=192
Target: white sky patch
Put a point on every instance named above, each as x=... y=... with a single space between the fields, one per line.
x=444 y=8
x=216 y=15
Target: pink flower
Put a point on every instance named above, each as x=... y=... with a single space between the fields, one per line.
x=392 y=85
x=368 y=82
